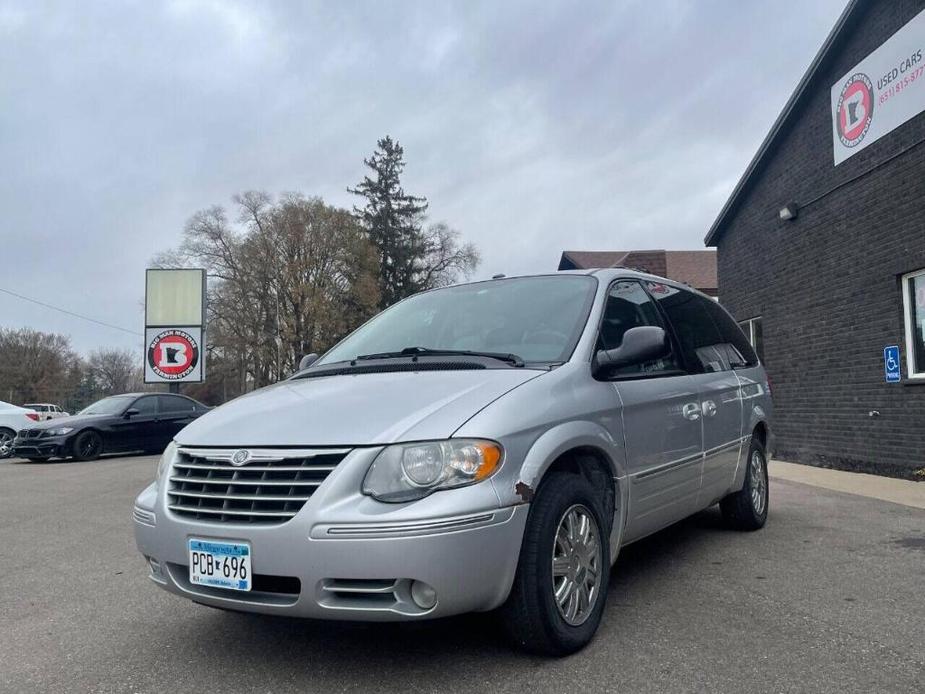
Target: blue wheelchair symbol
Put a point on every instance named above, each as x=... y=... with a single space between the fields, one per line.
x=891 y=366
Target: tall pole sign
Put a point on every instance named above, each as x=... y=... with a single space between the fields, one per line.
x=175 y=321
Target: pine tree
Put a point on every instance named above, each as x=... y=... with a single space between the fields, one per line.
x=393 y=221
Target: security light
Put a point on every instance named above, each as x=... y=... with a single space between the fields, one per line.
x=789 y=211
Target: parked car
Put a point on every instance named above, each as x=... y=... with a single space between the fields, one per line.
x=484 y=446
x=12 y=419
x=130 y=422
x=47 y=410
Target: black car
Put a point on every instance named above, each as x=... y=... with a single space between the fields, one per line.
x=130 y=422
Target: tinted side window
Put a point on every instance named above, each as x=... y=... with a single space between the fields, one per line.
x=628 y=306
x=170 y=404
x=738 y=349
x=694 y=327
x=145 y=405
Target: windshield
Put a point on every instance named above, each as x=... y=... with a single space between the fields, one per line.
x=113 y=405
x=537 y=318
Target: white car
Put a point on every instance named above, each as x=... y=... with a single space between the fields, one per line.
x=12 y=419
x=46 y=410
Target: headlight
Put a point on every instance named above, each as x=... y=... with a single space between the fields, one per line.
x=165 y=461
x=411 y=471
x=59 y=431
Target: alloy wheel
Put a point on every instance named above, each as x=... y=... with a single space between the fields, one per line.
x=89 y=447
x=759 y=483
x=6 y=444
x=576 y=565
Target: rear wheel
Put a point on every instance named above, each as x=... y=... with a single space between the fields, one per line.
x=6 y=442
x=87 y=446
x=560 y=588
x=747 y=509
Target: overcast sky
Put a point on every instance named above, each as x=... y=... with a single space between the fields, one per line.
x=531 y=127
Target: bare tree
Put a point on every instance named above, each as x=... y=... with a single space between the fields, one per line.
x=36 y=366
x=289 y=277
x=114 y=370
x=443 y=260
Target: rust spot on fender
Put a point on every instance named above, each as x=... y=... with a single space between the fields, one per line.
x=524 y=491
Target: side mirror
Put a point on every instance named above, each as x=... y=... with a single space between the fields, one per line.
x=129 y=413
x=308 y=360
x=640 y=345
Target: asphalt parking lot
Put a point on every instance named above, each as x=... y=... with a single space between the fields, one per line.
x=829 y=597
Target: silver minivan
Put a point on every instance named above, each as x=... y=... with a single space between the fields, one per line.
x=486 y=446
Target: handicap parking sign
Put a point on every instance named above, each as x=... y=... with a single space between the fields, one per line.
x=891 y=363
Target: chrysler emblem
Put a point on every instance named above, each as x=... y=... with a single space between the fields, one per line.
x=240 y=457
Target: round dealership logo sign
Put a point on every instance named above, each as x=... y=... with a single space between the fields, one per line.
x=173 y=354
x=855 y=109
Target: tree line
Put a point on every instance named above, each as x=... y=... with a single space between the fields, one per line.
x=287 y=275
x=38 y=367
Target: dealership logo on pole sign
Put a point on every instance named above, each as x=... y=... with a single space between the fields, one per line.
x=173 y=354
x=855 y=109
x=175 y=310
x=881 y=92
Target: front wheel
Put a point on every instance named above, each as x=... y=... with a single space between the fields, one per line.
x=560 y=588
x=88 y=446
x=747 y=509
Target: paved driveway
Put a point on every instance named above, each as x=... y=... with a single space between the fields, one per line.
x=830 y=596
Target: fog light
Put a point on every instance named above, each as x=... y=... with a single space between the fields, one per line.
x=423 y=595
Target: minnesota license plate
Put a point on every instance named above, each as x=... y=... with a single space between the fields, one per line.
x=220 y=564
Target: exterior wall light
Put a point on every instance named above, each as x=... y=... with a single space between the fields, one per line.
x=789 y=211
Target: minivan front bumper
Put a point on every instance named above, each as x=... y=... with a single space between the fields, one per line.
x=346 y=556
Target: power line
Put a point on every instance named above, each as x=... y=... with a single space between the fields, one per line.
x=71 y=313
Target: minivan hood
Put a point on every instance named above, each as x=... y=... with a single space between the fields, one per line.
x=355 y=409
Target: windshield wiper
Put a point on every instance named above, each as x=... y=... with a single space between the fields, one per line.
x=512 y=359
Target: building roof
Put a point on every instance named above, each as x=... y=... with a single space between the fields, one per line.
x=847 y=19
x=586 y=259
x=693 y=268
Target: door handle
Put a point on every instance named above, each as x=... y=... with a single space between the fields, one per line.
x=709 y=408
x=691 y=411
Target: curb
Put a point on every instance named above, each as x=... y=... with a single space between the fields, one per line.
x=897 y=491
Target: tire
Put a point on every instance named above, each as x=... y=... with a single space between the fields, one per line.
x=532 y=616
x=87 y=446
x=6 y=442
x=747 y=509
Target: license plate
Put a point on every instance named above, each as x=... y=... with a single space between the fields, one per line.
x=220 y=564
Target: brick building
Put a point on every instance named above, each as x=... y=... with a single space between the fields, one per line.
x=821 y=248
x=696 y=269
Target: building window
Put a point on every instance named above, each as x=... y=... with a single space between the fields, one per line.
x=753 y=331
x=914 y=310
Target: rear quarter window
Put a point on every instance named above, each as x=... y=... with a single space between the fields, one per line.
x=697 y=333
x=738 y=349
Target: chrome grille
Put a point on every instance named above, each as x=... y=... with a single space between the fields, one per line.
x=271 y=487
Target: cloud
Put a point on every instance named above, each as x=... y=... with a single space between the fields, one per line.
x=531 y=128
